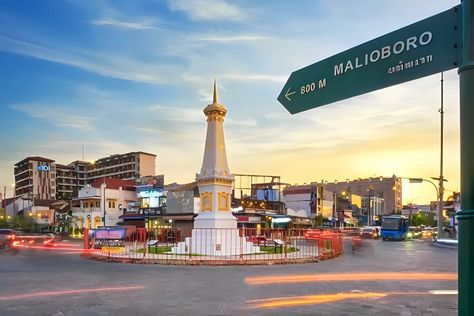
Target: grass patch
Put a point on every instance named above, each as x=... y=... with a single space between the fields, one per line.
x=166 y=250
x=156 y=250
x=276 y=250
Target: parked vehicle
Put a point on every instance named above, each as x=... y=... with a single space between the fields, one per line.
x=394 y=227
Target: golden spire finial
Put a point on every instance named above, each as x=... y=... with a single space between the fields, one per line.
x=215 y=100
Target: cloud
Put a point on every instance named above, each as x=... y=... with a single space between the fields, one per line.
x=59 y=116
x=143 y=25
x=208 y=10
x=104 y=64
x=236 y=77
x=178 y=113
x=230 y=38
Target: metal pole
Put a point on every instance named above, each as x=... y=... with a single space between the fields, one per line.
x=466 y=215
x=441 y=179
x=103 y=182
x=368 y=211
x=334 y=209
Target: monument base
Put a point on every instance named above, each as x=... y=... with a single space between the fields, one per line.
x=212 y=220
x=215 y=242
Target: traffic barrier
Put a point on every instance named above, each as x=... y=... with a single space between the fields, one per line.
x=215 y=246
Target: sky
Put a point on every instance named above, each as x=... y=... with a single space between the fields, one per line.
x=120 y=76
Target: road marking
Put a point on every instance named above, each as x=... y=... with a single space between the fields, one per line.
x=444 y=292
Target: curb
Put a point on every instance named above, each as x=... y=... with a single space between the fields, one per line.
x=197 y=262
x=441 y=244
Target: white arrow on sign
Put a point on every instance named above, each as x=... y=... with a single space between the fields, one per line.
x=288 y=93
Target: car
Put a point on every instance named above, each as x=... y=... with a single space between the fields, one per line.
x=7 y=236
x=352 y=231
x=370 y=233
x=427 y=232
x=414 y=233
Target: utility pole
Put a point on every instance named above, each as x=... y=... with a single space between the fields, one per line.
x=368 y=210
x=334 y=210
x=466 y=215
x=441 y=179
x=102 y=187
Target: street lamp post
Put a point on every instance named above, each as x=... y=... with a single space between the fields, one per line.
x=440 y=202
x=466 y=215
x=334 y=210
x=369 y=209
x=438 y=197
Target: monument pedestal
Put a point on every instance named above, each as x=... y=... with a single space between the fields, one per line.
x=216 y=234
x=216 y=242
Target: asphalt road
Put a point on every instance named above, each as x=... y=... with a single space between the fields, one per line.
x=54 y=282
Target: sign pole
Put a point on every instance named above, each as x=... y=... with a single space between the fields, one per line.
x=466 y=215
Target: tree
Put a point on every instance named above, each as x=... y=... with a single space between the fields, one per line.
x=420 y=219
x=23 y=223
x=318 y=221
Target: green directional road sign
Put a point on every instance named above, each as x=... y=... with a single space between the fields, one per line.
x=420 y=49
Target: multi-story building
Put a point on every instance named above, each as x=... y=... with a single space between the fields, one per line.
x=373 y=209
x=104 y=199
x=80 y=168
x=388 y=188
x=35 y=177
x=127 y=166
x=66 y=182
x=41 y=178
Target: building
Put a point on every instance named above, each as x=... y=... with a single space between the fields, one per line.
x=127 y=166
x=388 y=188
x=66 y=182
x=42 y=178
x=309 y=200
x=35 y=177
x=182 y=205
x=80 y=168
x=257 y=193
x=149 y=209
x=373 y=210
x=104 y=199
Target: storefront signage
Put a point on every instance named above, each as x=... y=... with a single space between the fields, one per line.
x=43 y=168
x=110 y=239
x=150 y=211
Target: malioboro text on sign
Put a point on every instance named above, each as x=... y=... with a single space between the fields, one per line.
x=420 y=49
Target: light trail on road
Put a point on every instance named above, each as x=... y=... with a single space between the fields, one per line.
x=51 y=247
x=278 y=302
x=345 y=277
x=69 y=292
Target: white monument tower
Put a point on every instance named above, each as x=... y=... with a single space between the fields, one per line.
x=215 y=180
x=215 y=228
